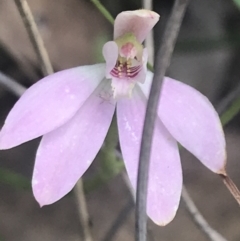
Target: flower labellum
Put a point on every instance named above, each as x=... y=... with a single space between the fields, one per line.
x=126 y=62
x=72 y=106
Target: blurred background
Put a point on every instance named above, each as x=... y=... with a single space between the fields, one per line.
x=207 y=57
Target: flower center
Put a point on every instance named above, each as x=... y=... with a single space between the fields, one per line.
x=130 y=65
x=129 y=61
x=125 y=68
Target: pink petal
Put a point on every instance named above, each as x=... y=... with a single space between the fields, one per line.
x=138 y=22
x=65 y=153
x=122 y=88
x=49 y=103
x=192 y=120
x=141 y=76
x=165 y=176
x=128 y=51
x=110 y=54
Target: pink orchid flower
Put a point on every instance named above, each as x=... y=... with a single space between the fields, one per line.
x=73 y=109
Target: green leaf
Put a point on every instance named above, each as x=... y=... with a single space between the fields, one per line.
x=231 y=112
x=237 y=2
x=14 y=180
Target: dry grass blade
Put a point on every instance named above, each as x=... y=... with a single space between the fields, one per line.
x=231 y=186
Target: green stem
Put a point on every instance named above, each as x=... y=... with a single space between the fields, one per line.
x=103 y=10
x=237 y=2
x=13 y=179
x=231 y=112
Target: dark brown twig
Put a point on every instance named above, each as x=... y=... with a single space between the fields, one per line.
x=231 y=186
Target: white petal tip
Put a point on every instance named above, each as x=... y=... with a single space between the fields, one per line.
x=164 y=222
x=147 y=13
x=41 y=205
x=44 y=202
x=138 y=22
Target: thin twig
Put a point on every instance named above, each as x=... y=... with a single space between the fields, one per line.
x=211 y=234
x=103 y=11
x=34 y=36
x=147 y=4
x=162 y=62
x=11 y=85
x=129 y=185
x=123 y=215
x=228 y=99
x=231 y=186
x=82 y=210
x=149 y=43
x=120 y=220
x=133 y=194
x=228 y=112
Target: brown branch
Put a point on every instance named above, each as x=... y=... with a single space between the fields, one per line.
x=82 y=210
x=231 y=186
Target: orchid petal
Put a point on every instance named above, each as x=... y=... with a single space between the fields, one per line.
x=138 y=22
x=192 y=120
x=122 y=87
x=65 y=153
x=49 y=103
x=141 y=76
x=110 y=54
x=165 y=175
